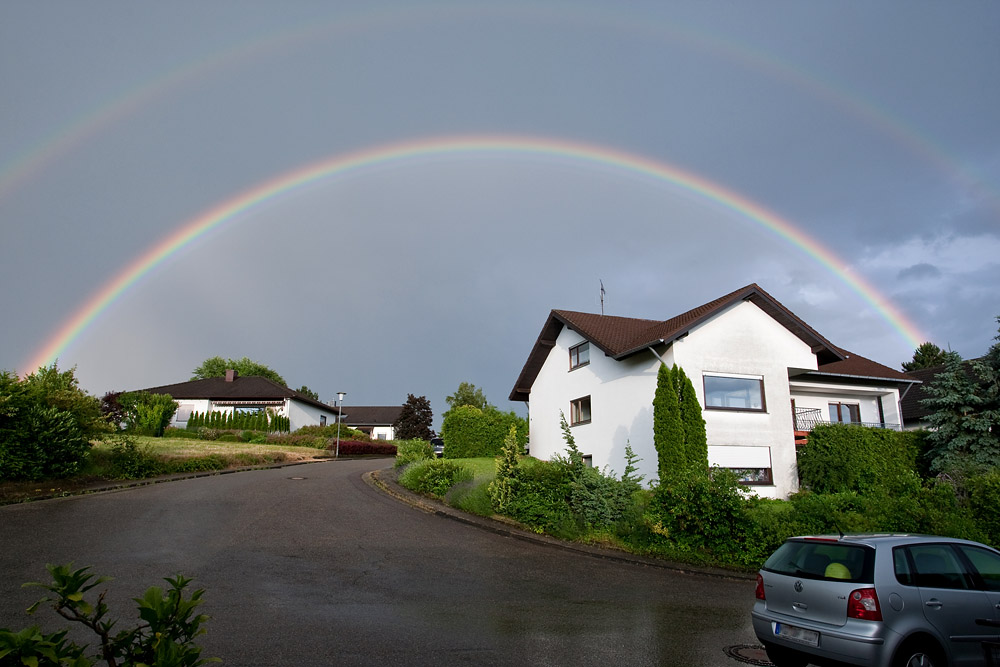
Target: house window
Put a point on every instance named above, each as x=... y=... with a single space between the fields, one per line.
x=754 y=476
x=579 y=411
x=845 y=413
x=727 y=392
x=588 y=460
x=579 y=355
x=322 y=420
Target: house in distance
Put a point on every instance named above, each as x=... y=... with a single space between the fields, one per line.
x=234 y=393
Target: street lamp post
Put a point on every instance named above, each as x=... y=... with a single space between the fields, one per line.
x=340 y=398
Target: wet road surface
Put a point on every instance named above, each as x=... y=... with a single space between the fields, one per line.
x=309 y=565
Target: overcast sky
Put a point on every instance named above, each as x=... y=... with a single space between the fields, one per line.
x=871 y=127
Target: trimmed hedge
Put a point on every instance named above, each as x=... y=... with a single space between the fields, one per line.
x=840 y=458
x=363 y=448
x=469 y=432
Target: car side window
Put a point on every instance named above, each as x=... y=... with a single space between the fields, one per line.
x=938 y=566
x=986 y=563
x=901 y=564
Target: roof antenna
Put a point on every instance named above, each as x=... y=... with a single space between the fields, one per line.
x=602 y=296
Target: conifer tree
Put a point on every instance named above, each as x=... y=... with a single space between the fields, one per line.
x=668 y=430
x=695 y=439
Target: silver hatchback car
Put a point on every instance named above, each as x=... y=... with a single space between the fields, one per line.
x=880 y=600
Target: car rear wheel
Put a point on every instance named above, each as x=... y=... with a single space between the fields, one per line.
x=783 y=657
x=919 y=655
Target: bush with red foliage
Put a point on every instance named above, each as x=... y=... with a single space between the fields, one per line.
x=361 y=448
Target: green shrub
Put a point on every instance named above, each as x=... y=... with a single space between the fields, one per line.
x=708 y=515
x=469 y=432
x=173 y=432
x=46 y=424
x=434 y=477
x=165 y=635
x=146 y=413
x=330 y=431
x=228 y=437
x=128 y=461
x=195 y=464
x=984 y=503
x=848 y=457
x=409 y=451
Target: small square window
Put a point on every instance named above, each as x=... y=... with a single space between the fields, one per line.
x=579 y=411
x=579 y=355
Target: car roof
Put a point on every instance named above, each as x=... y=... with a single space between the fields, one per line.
x=884 y=539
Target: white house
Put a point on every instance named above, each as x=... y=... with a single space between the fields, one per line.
x=375 y=420
x=763 y=377
x=233 y=393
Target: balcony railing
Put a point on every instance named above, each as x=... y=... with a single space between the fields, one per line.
x=807 y=418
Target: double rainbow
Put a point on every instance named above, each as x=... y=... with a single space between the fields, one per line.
x=231 y=210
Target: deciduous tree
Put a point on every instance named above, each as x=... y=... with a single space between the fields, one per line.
x=414 y=421
x=216 y=367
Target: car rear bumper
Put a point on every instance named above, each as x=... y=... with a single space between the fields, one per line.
x=834 y=643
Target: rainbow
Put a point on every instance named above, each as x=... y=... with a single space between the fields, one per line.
x=35 y=160
x=463 y=146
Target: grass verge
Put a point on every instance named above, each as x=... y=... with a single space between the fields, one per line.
x=108 y=464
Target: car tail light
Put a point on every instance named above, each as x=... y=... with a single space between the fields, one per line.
x=863 y=604
x=760 y=588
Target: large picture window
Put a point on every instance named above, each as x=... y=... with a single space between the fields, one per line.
x=725 y=392
x=579 y=355
x=579 y=411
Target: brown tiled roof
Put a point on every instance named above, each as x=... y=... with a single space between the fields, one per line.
x=371 y=415
x=854 y=365
x=249 y=388
x=620 y=337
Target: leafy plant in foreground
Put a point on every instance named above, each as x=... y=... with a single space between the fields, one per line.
x=165 y=637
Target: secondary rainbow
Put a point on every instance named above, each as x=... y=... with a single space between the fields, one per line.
x=463 y=147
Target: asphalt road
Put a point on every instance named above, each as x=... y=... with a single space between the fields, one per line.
x=309 y=565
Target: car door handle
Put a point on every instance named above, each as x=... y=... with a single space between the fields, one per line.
x=934 y=604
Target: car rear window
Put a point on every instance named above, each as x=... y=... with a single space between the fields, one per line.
x=823 y=559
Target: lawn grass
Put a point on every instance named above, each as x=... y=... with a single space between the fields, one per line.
x=160 y=456
x=182 y=448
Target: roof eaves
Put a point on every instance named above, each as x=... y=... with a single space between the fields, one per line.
x=861 y=377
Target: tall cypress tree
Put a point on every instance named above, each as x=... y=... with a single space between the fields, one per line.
x=668 y=429
x=695 y=439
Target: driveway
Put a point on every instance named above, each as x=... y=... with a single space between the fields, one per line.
x=309 y=565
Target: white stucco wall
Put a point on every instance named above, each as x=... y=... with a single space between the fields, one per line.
x=383 y=433
x=621 y=395
x=184 y=409
x=300 y=414
x=742 y=340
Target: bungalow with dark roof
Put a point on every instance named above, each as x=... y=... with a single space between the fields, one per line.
x=233 y=393
x=764 y=378
x=375 y=420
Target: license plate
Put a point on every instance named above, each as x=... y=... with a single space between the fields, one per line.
x=801 y=635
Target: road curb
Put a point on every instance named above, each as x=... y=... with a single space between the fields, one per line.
x=385 y=481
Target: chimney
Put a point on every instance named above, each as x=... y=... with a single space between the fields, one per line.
x=231 y=375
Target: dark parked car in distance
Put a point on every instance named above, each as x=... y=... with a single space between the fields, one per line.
x=438 y=445
x=893 y=600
